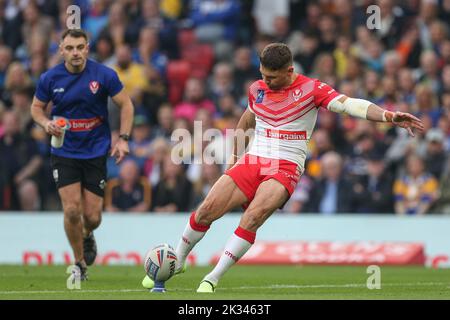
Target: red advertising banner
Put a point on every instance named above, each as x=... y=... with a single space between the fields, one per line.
x=333 y=253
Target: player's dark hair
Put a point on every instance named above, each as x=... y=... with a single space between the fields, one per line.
x=276 y=56
x=74 y=33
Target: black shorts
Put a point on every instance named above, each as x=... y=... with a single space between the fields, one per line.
x=90 y=172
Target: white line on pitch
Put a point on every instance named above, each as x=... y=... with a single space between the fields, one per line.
x=276 y=286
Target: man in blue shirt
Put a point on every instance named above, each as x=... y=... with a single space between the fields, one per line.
x=79 y=89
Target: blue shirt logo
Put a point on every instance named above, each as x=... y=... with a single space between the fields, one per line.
x=260 y=96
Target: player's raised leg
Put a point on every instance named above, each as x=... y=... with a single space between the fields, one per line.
x=269 y=196
x=92 y=216
x=223 y=197
x=73 y=224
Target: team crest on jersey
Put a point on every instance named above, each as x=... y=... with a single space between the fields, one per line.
x=297 y=94
x=260 y=96
x=94 y=86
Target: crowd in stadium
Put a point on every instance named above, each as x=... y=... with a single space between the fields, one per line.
x=187 y=60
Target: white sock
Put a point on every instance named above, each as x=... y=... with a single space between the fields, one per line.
x=235 y=248
x=192 y=234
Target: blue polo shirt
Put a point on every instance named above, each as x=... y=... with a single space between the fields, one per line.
x=81 y=98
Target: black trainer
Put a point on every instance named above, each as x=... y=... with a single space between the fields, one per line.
x=83 y=271
x=90 y=249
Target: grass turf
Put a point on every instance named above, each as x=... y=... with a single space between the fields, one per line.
x=240 y=283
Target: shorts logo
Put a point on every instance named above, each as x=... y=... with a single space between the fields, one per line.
x=102 y=184
x=55 y=175
x=260 y=96
x=94 y=86
x=297 y=94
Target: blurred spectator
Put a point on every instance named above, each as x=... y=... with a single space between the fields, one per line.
x=210 y=173
x=131 y=74
x=427 y=14
x=409 y=47
x=227 y=108
x=371 y=88
x=34 y=23
x=391 y=63
x=194 y=100
x=372 y=192
x=426 y=103
x=265 y=12
x=165 y=121
x=152 y=17
x=416 y=190
x=141 y=139
x=391 y=22
x=171 y=8
x=342 y=54
x=221 y=82
x=365 y=144
x=390 y=96
x=319 y=145
x=216 y=21
x=406 y=84
x=9 y=25
x=299 y=197
x=16 y=78
x=434 y=154
x=324 y=67
x=308 y=50
x=96 y=19
x=160 y=148
x=148 y=54
x=173 y=193
x=328 y=33
x=19 y=164
x=5 y=60
x=117 y=25
x=446 y=79
x=130 y=192
x=429 y=71
x=21 y=102
x=371 y=52
x=332 y=192
x=37 y=66
x=243 y=69
x=442 y=205
x=104 y=51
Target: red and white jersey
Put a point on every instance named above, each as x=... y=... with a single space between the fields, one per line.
x=286 y=118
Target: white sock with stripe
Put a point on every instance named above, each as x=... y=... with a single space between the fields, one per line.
x=236 y=247
x=192 y=234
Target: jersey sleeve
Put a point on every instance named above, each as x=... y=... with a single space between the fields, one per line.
x=113 y=83
x=323 y=94
x=43 y=89
x=251 y=101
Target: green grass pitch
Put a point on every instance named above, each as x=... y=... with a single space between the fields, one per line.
x=241 y=282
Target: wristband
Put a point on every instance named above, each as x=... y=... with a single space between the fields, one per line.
x=388 y=116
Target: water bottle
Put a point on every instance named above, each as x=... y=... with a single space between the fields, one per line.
x=57 y=142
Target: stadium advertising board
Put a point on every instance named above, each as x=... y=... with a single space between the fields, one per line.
x=286 y=239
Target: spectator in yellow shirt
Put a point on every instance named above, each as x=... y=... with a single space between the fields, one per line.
x=416 y=190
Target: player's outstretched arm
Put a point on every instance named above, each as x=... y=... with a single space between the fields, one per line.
x=367 y=110
x=121 y=148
